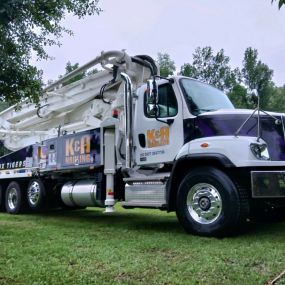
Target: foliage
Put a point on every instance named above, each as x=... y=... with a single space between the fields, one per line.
x=239 y=84
x=277 y=100
x=71 y=67
x=280 y=3
x=166 y=64
x=132 y=247
x=3 y=106
x=211 y=68
x=257 y=76
x=238 y=96
x=26 y=28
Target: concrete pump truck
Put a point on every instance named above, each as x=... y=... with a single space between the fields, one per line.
x=126 y=134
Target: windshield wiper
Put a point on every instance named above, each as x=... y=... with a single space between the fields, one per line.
x=199 y=110
x=206 y=110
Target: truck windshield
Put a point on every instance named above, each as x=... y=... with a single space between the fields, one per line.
x=201 y=97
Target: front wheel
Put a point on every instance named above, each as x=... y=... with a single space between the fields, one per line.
x=209 y=204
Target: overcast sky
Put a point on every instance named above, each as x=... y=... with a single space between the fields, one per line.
x=177 y=28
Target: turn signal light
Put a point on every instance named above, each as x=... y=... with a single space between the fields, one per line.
x=204 y=145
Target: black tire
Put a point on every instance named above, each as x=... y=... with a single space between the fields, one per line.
x=36 y=195
x=209 y=203
x=15 y=202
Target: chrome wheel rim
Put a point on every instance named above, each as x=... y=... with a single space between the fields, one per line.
x=12 y=198
x=204 y=203
x=34 y=193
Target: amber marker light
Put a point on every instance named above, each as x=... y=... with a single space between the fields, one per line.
x=204 y=145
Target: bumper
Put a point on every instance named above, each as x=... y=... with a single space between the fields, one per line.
x=268 y=184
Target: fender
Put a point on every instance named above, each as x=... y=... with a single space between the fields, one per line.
x=227 y=146
x=186 y=162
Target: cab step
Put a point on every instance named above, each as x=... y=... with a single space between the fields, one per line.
x=146 y=192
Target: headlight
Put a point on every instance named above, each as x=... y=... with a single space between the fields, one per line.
x=260 y=151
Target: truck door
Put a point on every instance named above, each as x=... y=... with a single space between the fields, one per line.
x=157 y=139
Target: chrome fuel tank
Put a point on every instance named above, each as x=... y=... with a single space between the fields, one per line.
x=81 y=193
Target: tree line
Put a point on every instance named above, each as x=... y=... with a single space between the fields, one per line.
x=239 y=83
x=214 y=68
x=28 y=27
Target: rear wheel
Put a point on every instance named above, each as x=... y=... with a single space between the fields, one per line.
x=14 y=199
x=36 y=195
x=209 y=204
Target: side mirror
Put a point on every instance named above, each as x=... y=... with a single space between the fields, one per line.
x=152 y=99
x=152 y=110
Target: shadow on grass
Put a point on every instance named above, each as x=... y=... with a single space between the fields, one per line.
x=130 y=219
x=259 y=228
x=148 y=221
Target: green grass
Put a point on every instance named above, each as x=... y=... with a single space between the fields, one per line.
x=132 y=247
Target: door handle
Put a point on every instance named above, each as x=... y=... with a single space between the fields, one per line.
x=142 y=140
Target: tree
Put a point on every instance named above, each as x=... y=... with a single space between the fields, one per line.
x=280 y=3
x=71 y=67
x=277 y=100
x=211 y=68
x=238 y=96
x=257 y=76
x=166 y=65
x=26 y=28
x=3 y=106
x=238 y=84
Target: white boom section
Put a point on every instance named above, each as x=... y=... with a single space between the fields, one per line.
x=72 y=107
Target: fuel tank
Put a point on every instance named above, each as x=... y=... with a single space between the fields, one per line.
x=82 y=193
